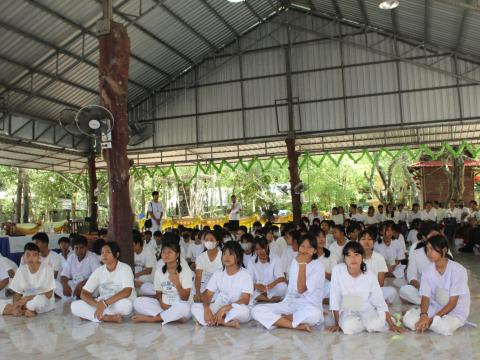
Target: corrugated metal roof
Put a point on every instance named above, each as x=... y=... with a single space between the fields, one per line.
x=55 y=45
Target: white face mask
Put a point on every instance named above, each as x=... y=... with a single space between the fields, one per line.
x=209 y=245
x=246 y=246
x=276 y=234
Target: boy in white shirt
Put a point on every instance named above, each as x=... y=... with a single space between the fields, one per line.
x=401 y=216
x=234 y=213
x=381 y=216
x=338 y=232
x=144 y=262
x=50 y=257
x=76 y=270
x=429 y=213
x=392 y=251
x=33 y=285
x=414 y=214
x=155 y=212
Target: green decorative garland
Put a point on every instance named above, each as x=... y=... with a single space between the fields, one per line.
x=308 y=159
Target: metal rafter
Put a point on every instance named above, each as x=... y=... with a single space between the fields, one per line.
x=253 y=11
x=363 y=11
x=187 y=26
x=154 y=37
x=87 y=31
x=219 y=17
x=386 y=54
x=48 y=75
x=461 y=31
x=395 y=24
x=39 y=96
x=338 y=12
x=427 y=22
x=82 y=59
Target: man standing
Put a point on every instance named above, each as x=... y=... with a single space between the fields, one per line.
x=155 y=212
x=234 y=213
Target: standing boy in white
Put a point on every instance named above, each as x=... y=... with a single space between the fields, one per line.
x=155 y=212
x=234 y=213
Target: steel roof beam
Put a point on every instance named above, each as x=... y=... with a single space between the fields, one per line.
x=220 y=18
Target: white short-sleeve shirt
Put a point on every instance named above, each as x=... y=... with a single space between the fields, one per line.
x=315 y=274
x=376 y=264
x=80 y=270
x=364 y=289
x=169 y=291
x=440 y=287
x=392 y=252
x=328 y=263
x=26 y=283
x=54 y=259
x=110 y=283
x=155 y=207
x=208 y=267
x=235 y=212
x=146 y=259
x=229 y=288
x=265 y=273
x=336 y=250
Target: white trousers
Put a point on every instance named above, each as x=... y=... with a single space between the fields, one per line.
x=59 y=289
x=41 y=304
x=326 y=289
x=389 y=294
x=445 y=325
x=238 y=312
x=269 y=314
x=147 y=289
x=399 y=271
x=147 y=278
x=279 y=290
x=151 y=307
x=85 y=311
x=410 y=293
x=356 y=322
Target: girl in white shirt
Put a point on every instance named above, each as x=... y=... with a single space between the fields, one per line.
x=114 y=282
x=327 y=259
x=302 y=307
x=228 y=293
x=246 y=242
x=208 y=262
x=173 y=285
x=33 y=286
x=356 y=298
x=292 y=237
x=377 y=265
x=269 y=281
x=337 y=217
x=325 y=225
x=445 y=303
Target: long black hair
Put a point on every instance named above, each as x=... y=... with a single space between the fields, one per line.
x=357 y=248
x=175 y=246
x=439 y=243
x=263 y=243
x=235 y=248
x=426 y=228
x=316 y=231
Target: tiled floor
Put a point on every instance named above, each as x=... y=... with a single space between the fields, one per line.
x=58 y=335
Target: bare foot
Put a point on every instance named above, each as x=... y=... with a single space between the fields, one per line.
x=148 y=319
x=18 y=311
x=288 y=317
x=304 y=327
x=233 y=324
x=183 y=320
x=30 y=314
x=275 y=299
x=113 y=318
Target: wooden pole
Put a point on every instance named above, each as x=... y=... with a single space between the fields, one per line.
x=92 y=197
x=292 y=154
x=113 y=68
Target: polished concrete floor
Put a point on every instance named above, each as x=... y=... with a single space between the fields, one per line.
x=58 y=335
